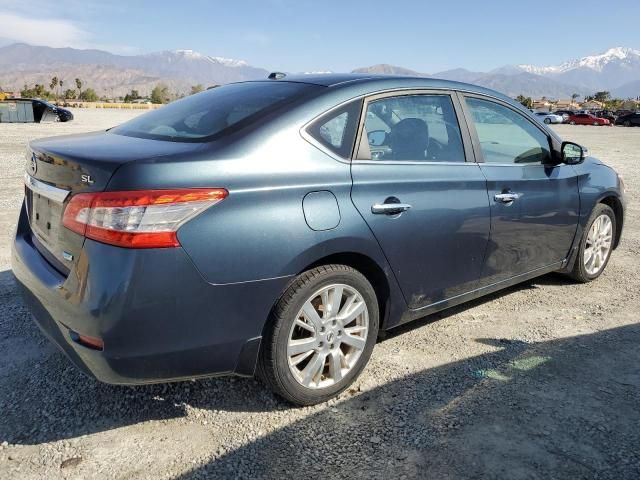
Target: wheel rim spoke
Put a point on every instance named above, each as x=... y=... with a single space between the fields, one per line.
x=305 y=325
x=310 y=313
x=313 y=369
x=355 y=309
x=335 y=365
x=335 y=299
x=296 y=347
x=297 y=359
x=356 y=329
x=353 y=341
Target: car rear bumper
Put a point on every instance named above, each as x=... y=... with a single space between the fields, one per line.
x=158 y=318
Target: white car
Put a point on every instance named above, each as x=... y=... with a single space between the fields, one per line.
x=548 y=118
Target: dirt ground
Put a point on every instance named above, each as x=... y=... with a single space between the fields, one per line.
x=541 y=381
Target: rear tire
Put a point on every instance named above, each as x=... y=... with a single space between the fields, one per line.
x=572 y=122
x=593 y=257
x=547 y=121
x=627 y=123
x=312 y=348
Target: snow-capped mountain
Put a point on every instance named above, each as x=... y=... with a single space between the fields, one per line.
x=594 y=62
x=193 y=55
x=616 y=70
x=605 y=71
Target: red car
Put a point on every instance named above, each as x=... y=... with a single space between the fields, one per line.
x=587 y=119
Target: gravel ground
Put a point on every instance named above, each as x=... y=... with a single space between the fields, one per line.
x=538 y=381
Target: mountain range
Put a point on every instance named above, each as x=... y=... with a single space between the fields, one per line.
x=617 y=70
x=116 y=75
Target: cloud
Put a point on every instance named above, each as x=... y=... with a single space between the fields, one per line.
x=50 y=32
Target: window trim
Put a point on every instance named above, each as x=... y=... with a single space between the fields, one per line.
x=457 y=108
x=476 y=139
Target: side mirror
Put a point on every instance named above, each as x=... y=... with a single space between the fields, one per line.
x=572 y=153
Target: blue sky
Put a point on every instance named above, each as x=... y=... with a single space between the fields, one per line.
x=305 y=35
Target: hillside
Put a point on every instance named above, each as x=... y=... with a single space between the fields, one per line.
x=111 y=74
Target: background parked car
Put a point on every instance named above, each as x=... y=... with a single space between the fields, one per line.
x=27 y=110
x=565 y=114
x=605 y=114
x=587 y=119
x=548 y=118
x=621 y=112
x=629 y=120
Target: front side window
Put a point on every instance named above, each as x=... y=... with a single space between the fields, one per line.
x=211 y=113
x=413 y=128
x=505 y=135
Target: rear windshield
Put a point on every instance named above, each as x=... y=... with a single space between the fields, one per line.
x=212 y=113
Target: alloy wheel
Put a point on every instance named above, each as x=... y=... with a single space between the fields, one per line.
x=598 y=244
x=328 y=336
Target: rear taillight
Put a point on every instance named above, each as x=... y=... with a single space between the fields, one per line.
x=137 y=219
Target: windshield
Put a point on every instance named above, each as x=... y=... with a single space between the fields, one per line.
x=209 y=114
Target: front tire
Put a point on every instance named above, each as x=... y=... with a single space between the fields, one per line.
x=547 y=121
x=320 y=335
x=627 y=123
x=572 y=122
x=596 y=245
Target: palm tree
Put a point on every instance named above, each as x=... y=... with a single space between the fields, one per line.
x=79 y=85
x=54 y=84
x=574 y=97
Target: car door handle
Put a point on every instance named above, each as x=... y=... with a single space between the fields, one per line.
x=389 y=208
x=507 y=197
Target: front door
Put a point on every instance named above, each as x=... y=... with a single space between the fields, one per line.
x=426 y=205
x=534 y=205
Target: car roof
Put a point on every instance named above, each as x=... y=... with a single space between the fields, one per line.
x=383 y=81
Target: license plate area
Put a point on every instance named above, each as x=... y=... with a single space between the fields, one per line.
x=45 y=218
x=45 y=206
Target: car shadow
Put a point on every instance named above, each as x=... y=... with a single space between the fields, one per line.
x=567 y=408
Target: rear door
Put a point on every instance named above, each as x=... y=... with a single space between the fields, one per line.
x=416 y=185
x=534 y=205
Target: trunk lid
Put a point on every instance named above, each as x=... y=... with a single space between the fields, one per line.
x=59 y=167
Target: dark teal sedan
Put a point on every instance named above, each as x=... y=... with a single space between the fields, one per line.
x=277 y=227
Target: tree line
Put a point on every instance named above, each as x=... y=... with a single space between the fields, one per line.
x=58 y=92
x=159 y=94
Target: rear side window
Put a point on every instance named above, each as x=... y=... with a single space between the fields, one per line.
x=336 y=130
x=213 y=113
